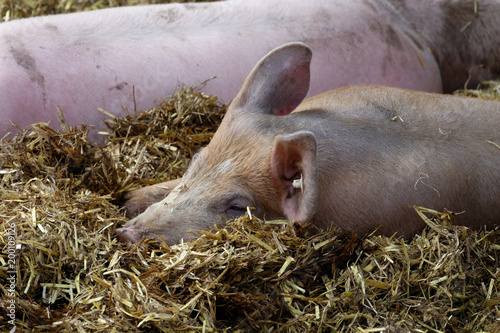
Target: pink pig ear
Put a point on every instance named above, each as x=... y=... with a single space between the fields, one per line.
x=278 y=83
x=294 y=174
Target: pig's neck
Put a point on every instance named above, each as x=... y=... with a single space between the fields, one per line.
x=460 y=39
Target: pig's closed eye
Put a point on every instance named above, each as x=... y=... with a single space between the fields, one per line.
x=235 y=211
x=236 y=208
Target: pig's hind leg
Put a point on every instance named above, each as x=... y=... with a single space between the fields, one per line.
x=137 y=201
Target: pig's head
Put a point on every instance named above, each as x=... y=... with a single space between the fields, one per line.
x=252 y=160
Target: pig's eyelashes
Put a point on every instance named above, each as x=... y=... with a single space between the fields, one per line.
x=234 y=212
x=236 y=207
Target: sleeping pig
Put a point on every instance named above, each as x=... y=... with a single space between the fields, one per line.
x=356 y=158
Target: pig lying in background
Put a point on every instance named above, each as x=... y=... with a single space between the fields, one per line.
x=132 y=56
x=355 y=158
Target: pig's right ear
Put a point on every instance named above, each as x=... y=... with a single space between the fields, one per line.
x=294 y=175
x=278 y=83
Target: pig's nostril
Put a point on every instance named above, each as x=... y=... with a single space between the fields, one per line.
x=127 y=235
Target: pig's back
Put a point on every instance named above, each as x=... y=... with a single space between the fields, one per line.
x=417 y=112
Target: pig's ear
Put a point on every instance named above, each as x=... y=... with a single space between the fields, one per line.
x=278 y=83
x=294 y=174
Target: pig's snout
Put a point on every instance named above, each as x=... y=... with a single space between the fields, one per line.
x=128 y=235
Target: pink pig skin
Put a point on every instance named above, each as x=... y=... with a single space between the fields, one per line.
x=88 y=60
x=364 y=155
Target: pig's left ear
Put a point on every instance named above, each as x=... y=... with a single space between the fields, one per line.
x=278 y=83
x=294 y=174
